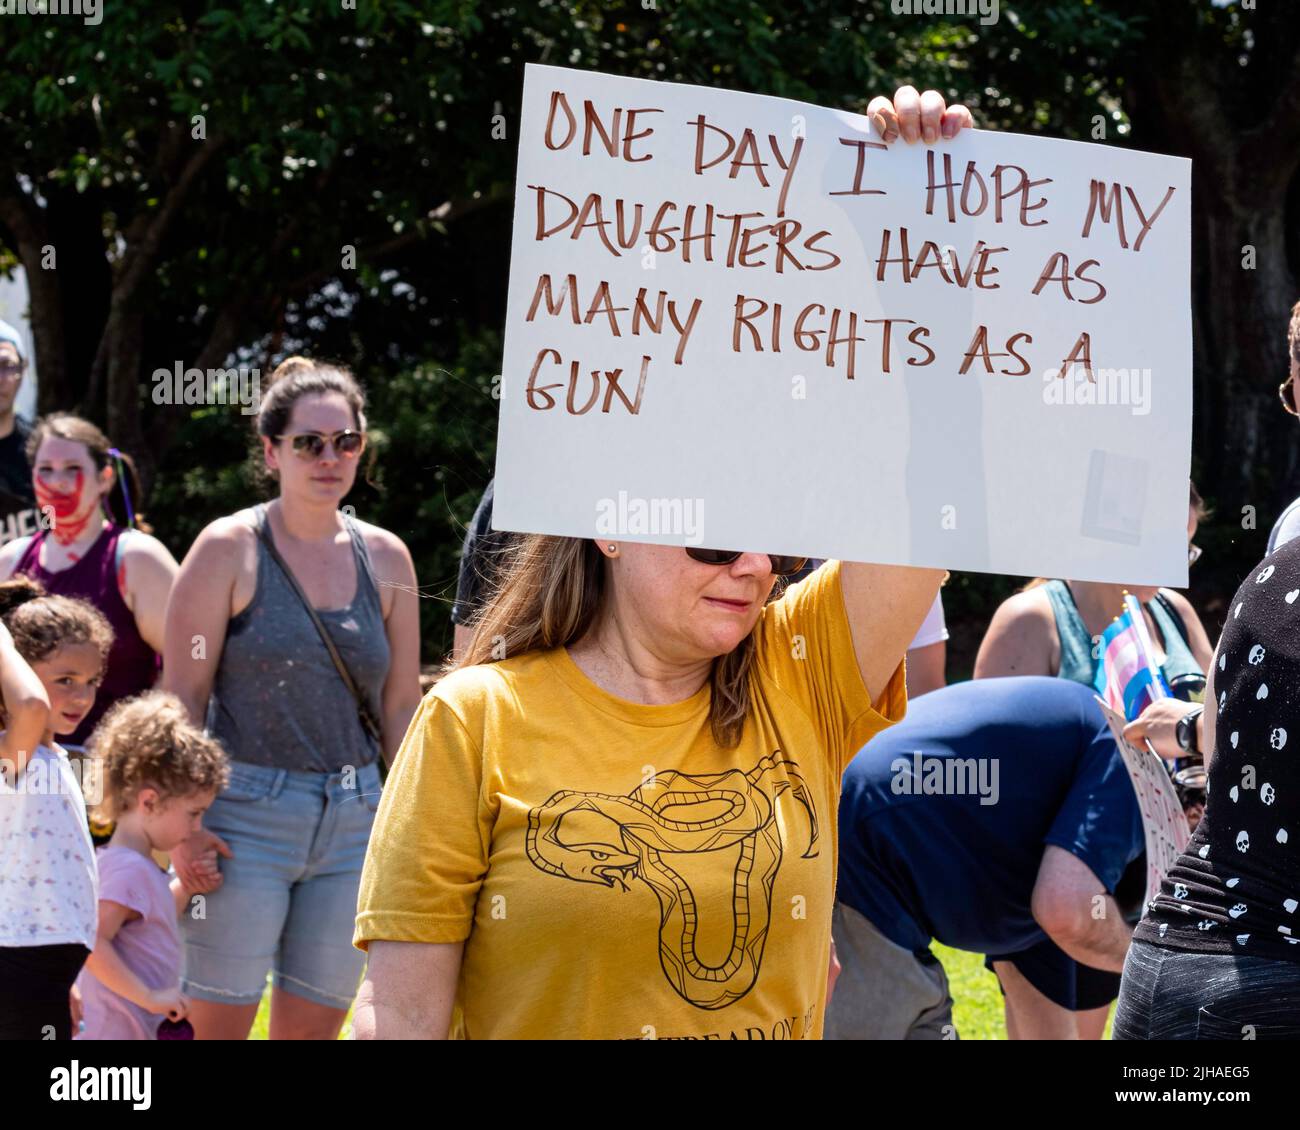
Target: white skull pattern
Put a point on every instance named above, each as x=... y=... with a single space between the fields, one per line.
x=1266 y=793
x=1243 y=841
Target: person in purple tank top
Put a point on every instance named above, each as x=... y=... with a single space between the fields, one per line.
x=93 y=550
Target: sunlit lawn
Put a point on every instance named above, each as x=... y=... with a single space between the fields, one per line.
x=261 y=1024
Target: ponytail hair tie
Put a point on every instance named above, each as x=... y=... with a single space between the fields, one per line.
x=126 y=489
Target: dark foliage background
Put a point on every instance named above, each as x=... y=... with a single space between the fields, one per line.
x=326 y=128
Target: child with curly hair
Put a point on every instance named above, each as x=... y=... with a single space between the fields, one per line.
x=52 y=655
x=160 y=775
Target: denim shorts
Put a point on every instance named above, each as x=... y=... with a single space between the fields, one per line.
x=288 y=899
x=1170 y=994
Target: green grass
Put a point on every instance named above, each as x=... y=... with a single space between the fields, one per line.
x=977 y=1000
x=263 y=1019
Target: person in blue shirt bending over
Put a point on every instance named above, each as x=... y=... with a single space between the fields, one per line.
x=998 y=813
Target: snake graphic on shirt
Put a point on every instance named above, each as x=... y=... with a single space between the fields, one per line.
x=607 y=838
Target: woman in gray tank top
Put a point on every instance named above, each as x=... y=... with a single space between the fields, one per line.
x=246 y=657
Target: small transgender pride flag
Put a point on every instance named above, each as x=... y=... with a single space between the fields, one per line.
x=1127 y=679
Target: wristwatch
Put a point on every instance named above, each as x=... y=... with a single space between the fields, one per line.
x=1185 y=730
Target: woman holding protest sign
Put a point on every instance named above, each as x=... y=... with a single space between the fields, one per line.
x=294 y=632
x=618 y=809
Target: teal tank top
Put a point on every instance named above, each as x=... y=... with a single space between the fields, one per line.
x=1077 y=663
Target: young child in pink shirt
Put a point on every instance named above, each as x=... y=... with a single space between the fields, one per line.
x=160 y=775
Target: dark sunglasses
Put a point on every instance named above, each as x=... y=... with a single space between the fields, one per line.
x=311 y=445
x=1286 y=393
x=781 y=566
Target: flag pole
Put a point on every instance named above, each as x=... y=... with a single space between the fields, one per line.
x=1144 y=645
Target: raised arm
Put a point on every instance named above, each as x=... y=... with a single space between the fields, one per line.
x=26 y=706
x=885 y=606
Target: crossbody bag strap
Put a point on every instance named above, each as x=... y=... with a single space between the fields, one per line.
x=1174 y=615
x=363 y=707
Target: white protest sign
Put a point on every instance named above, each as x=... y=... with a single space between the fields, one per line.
x=1164 y=826
x=744 y=323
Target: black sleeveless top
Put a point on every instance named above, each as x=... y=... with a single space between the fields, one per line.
x=1236 y=889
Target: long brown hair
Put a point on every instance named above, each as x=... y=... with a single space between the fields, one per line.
x=64 y=425
x=549 y=595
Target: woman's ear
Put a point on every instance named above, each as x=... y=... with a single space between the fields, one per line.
x=107 y=477
x=269 y=454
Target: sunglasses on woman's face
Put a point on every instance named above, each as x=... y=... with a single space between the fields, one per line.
x=781 y=566
x=311 y=445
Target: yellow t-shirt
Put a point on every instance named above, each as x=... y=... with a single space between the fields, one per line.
x=616 y=873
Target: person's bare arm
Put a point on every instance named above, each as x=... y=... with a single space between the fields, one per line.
x=198 y=613
x=1078 y=913
x=1019 y=640
x=926 y=668
x=1206 y=723
x=408 y=991
x=10 y=554
x=1197 y=639
x=181 y=896
x=885 y=606
x=106 y=964
x=26 y=706
x=401 y=695
x=146 y=574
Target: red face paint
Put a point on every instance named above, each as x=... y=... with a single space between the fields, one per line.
x=67 y=525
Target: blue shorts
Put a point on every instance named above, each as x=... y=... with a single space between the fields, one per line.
x=288 y=899
x=1060 y=978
